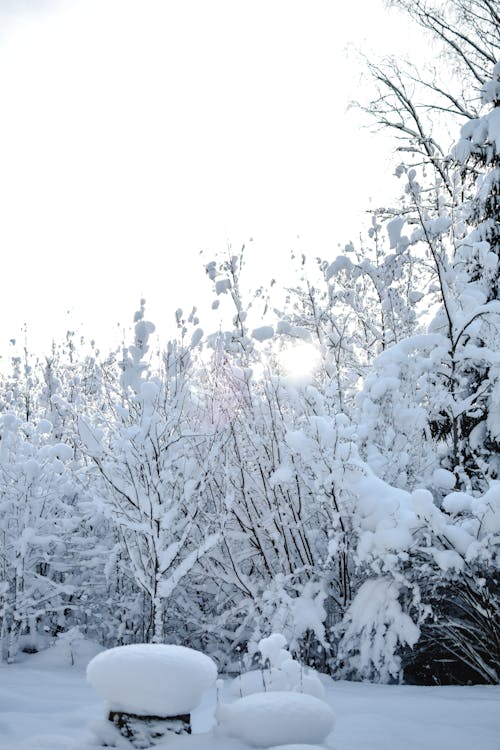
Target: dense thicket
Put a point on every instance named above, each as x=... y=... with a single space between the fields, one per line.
x=201 y=493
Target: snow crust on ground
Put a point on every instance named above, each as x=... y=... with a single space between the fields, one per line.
x=152 y=679
x=51 y=708
x=276 y=718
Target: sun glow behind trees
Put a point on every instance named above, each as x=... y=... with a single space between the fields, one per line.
x=299 y=361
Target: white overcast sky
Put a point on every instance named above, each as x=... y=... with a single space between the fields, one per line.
x=136 y=133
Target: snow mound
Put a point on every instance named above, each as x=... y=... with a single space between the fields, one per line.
x=152 y=679
x=71 y=649
x=276 y=718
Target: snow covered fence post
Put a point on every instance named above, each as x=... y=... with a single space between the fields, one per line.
x=151 y=689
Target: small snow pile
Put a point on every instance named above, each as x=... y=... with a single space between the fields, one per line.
x=152 y=679
x=71 y=649
x=280 y=672
x=277 y=718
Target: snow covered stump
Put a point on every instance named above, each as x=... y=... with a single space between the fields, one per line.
x=151 y=689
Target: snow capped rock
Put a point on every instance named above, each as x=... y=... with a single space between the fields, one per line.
x=152 y=679
x=276 y=718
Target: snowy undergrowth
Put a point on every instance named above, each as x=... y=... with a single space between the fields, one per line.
x=45 y=704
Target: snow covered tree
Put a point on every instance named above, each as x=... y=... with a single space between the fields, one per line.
x=428 y=417
x=37 y=521
x=50 y=558
x=284 y=508
x=143 y=448
x=419 y=104
x=455 y=375
x=477 y=264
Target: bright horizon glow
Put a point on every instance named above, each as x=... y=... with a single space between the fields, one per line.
x=135 y=135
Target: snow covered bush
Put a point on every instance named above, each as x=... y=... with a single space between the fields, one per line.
x=38 y=521
x=374 y=630
x=438 y=565
x=429 y=419
x=278 y=671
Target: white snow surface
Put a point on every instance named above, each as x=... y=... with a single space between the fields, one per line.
x=52 y=708
x=152 y=679
x=276 y=718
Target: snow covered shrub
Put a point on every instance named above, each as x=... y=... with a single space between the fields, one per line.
x=455 y=566
x=429 y=417
x=278 y=671
x=374 y=630
x=38 y=522
x=444 y=563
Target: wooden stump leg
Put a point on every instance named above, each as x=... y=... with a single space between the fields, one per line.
x=145 y=731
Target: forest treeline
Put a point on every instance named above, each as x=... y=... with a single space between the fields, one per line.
x=199 y=493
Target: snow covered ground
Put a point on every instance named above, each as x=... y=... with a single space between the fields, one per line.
x=48 y=707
